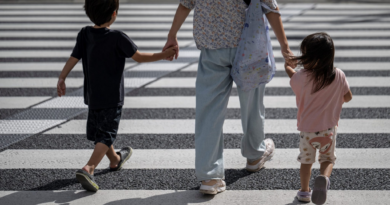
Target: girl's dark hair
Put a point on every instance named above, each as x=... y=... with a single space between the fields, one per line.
x=100 y=11
x=317 y=59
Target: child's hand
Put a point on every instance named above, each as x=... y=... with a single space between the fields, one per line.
x=170 y=52
x=61 y=87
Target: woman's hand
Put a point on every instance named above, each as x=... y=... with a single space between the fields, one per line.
x=172 y=42
x=288 y=54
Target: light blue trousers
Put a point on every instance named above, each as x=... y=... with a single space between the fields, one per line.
x=213 y=87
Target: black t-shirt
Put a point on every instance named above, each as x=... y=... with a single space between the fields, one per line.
x=103 y=52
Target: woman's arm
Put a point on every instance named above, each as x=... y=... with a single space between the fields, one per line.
x=181 y=14
x=276 y=23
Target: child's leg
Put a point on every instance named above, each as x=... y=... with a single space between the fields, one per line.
x=113 y=157
x=305 y=174
x=97 y=156
x=326 y=168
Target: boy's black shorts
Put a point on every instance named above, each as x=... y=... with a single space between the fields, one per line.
x=102 y=125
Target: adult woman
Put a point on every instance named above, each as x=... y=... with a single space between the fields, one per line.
x=217 y=29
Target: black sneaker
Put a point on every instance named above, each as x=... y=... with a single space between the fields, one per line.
x=125 y=154
x=87 y=181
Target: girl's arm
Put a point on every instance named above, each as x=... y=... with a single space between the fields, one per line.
x=180 y=16
x=61 y=87
x=150 y=57
x=348 y=96
x=276 y=23
x=289 y=70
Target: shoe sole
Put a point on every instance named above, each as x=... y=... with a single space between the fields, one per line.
x=261 y=165
x=86 y=183
x=303 y=200
x=220 y=189
x=319 y=196
x=124 y=161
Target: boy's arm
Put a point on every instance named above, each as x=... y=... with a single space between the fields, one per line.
x=289 y=70
x=180 y=16
x=348 y=96
x=61 y=87
x=150 y=57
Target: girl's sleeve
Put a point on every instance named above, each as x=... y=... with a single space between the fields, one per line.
x=190 y=4
x=272 y=4
x=345 y=84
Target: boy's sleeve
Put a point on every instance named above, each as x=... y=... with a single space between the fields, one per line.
x=126 y=47
x=190 y=4
x=272 y=4
x=77 y=50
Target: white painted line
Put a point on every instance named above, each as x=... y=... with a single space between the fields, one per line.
x=26 y=126
x=338 y=19
x=70 y=43
x=121 y=26
x=184 y=159
x=187 y=126
x=345 y=66
x=353 y=6
x=81 y=12
x=269 y=102
x=37 y=66
x=73 y=34
x=70 y=82
x=38 y=82
x=275 y=82
x=19 y=102
x=161 y=43
x=80 y=6
x=361 y=66
x=352 y=13
x=149 y=197
x=333 y=33
x=80 y=25
x=144 y=102
x=182 y=53
x=70 y=19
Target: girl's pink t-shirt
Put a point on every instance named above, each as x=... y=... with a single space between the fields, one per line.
x=321 y=110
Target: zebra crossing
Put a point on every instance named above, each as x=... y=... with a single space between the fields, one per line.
x=43 y=140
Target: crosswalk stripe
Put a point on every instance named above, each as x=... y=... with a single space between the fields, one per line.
x=275 y=82
x=48 y=44
x=345 y=66
x=185 y=126
x=147 y=197
x=184 y=53
x=188 y=34
x=171 y=82
x=121 y=26
x=160 y=43
x=20 y=102
x=189 y=102
x=85 y=19
x=183 y=159
x=80 y=6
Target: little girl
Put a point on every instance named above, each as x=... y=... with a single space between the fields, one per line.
x=320 y=89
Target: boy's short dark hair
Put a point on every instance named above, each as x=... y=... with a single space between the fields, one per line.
x=100 y=11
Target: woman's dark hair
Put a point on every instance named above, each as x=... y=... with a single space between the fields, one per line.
x=100 y=11
x=317 y=58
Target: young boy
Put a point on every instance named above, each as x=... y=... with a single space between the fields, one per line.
x=103 y=51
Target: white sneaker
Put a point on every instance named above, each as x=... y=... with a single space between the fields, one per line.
x=268 y=154
x=218 y=187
